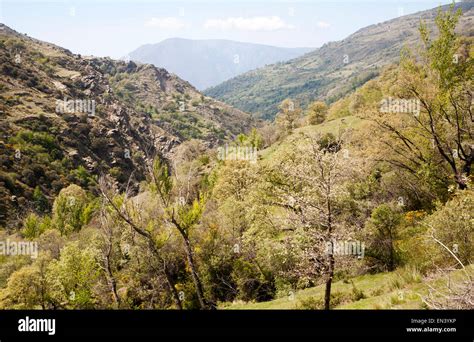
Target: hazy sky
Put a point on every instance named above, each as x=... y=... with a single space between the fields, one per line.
x=114 y=28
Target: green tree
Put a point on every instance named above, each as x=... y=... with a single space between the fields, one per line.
x=438 y=80
x=74 y=276
x=383 y=233
x=40 y=200
x=71 y=209
x=288 y=115
x=28 y=287
x=317 y=113
x=34 y=226
x=255 y=139
x=149 y=231
x=452 y=224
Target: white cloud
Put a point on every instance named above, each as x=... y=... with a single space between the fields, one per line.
x=168 y=23
x=323 y=24
x=248 y=24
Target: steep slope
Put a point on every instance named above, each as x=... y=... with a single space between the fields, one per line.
x=206 y=63
x=333 y=70
x=66 y=119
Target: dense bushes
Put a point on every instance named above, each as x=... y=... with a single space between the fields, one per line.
x=428 y=244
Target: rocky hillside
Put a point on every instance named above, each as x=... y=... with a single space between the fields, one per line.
x=64 y=118
x=333 y=70
x=206 y=63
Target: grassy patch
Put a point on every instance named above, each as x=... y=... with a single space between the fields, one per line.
x=375 y=291
x=333 y=126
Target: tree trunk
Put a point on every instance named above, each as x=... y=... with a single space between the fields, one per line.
x=112 y=282
x=327 y=294
x=174 y=292
x=461 y=181
x=169 y=281
x=391 y=262
x=195 y=276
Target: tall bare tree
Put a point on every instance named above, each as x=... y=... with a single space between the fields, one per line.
x=309 y=184
x=183 y=205
x=123 y=211
x=107 y=249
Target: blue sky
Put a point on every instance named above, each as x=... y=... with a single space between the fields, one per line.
x=114 y=28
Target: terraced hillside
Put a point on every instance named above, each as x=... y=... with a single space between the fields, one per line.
x=333 y=70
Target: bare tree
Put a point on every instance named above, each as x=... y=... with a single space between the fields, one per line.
x=183 y=205
x=106 y=262
x=455 y=295
x=309 y=184
x=107 y=190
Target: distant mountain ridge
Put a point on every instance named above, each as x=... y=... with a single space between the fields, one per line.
x=206 y=63
x=332 y=71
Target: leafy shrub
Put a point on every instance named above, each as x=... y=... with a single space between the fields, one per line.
x=251 y=283
x=317 y=303
x=74 y=276
x=357 y=294
x=40 y=200
x=311 y=303
x=82 y=176
x=383 y=229
x=71 y=209
x=34 y=226
x=452 y=224
x=23 y=290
